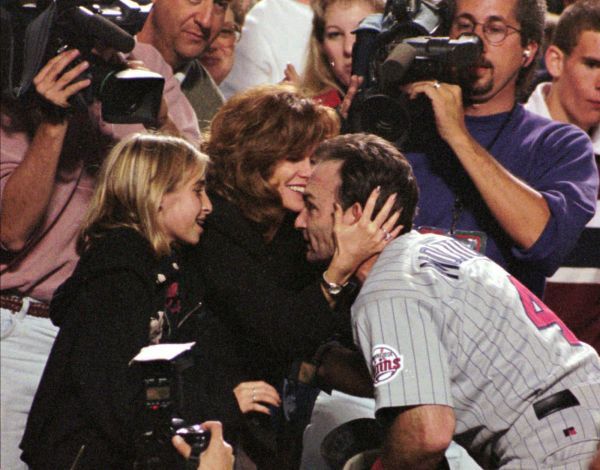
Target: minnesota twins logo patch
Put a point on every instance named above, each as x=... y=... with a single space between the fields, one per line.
x=386 y=363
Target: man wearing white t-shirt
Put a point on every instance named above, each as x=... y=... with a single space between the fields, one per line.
x=275 y=33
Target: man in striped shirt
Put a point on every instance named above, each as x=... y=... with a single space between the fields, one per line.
x=456 y=347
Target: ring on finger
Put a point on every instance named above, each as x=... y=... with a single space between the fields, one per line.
x=436 y=85
x=386 y=235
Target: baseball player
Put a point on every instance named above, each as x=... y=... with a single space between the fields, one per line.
x=457 y=348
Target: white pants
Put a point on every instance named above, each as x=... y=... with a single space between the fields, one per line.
x=331 y=411
x=25 y=345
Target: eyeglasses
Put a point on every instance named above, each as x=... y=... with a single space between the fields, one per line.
x=494 y=30
x=230 y=32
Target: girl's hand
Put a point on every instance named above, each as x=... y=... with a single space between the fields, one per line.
x=254 y=396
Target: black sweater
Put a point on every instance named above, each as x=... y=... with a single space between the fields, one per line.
x=267 y=293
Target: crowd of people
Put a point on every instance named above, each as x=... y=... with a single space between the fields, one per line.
x=447 y=291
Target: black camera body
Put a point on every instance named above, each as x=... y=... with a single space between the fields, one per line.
x=160 y=413
x=399 y=47
x=31 y=35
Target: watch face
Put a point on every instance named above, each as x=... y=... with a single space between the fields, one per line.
x=333 y=289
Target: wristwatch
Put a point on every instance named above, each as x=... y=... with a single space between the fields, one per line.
x=331 y=287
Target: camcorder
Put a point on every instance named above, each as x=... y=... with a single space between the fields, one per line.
x=162 y=369
x=404 y=45
x=34 y=33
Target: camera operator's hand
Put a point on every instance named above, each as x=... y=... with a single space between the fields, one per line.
x=217 y=456
x=252 y=396
x=447 y=104
x=355 y=83
x=55 y=85
x=29 y=188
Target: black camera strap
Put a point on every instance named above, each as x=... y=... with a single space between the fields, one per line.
x=37 y=34
x=458 y=206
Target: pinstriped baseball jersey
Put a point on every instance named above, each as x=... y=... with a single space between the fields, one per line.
x=440 y=324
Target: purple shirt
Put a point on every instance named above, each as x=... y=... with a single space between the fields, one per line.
x=554 y=158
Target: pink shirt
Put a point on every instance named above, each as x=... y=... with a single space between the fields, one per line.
x=50 y=257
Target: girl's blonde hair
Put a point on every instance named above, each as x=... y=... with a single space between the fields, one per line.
x=132 y=181
x=318 y=76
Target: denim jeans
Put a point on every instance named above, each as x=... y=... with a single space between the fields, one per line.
x=25 y=345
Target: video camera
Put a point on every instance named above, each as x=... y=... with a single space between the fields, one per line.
x=398 y=47
x=162 y=369
x=34 y=33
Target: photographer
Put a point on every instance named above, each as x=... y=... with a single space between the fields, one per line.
x=518 y=186
x=49 y=157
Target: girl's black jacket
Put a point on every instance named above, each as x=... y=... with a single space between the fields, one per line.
x=89 y=399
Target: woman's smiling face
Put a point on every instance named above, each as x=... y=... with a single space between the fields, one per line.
x=289 y=179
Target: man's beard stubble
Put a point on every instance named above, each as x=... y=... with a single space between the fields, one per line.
x=474 y=92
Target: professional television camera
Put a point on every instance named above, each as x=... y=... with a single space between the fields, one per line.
x=33 y=33
x=398 y=47
x=162 y=369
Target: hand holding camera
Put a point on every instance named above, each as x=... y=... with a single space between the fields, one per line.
x=55 y=82
x=218 y=455
x=447 y=103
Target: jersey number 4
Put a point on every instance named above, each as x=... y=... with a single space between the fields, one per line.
x=541 y=316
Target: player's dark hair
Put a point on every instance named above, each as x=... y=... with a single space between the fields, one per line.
x=581 y=16
x=369 y=161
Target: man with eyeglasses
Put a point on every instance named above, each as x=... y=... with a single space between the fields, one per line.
x=182 y=30
x=515 y=186
x=218 y=59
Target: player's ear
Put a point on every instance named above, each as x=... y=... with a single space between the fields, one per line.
x=554 y=59
x=353 y=213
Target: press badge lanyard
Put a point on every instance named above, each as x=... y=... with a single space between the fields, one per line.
x=458 y=206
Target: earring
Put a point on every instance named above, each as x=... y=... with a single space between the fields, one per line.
x=332 y=63
x=526 y=54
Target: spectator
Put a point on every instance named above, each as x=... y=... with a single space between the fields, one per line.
x=275 y=34
x=573 y=96
x=182 y=31
x=132 y=287
x=329 y=63
x=252 y=259
x=218 y=59
x=456 y=346
x=518 y=186
x=47 y=173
